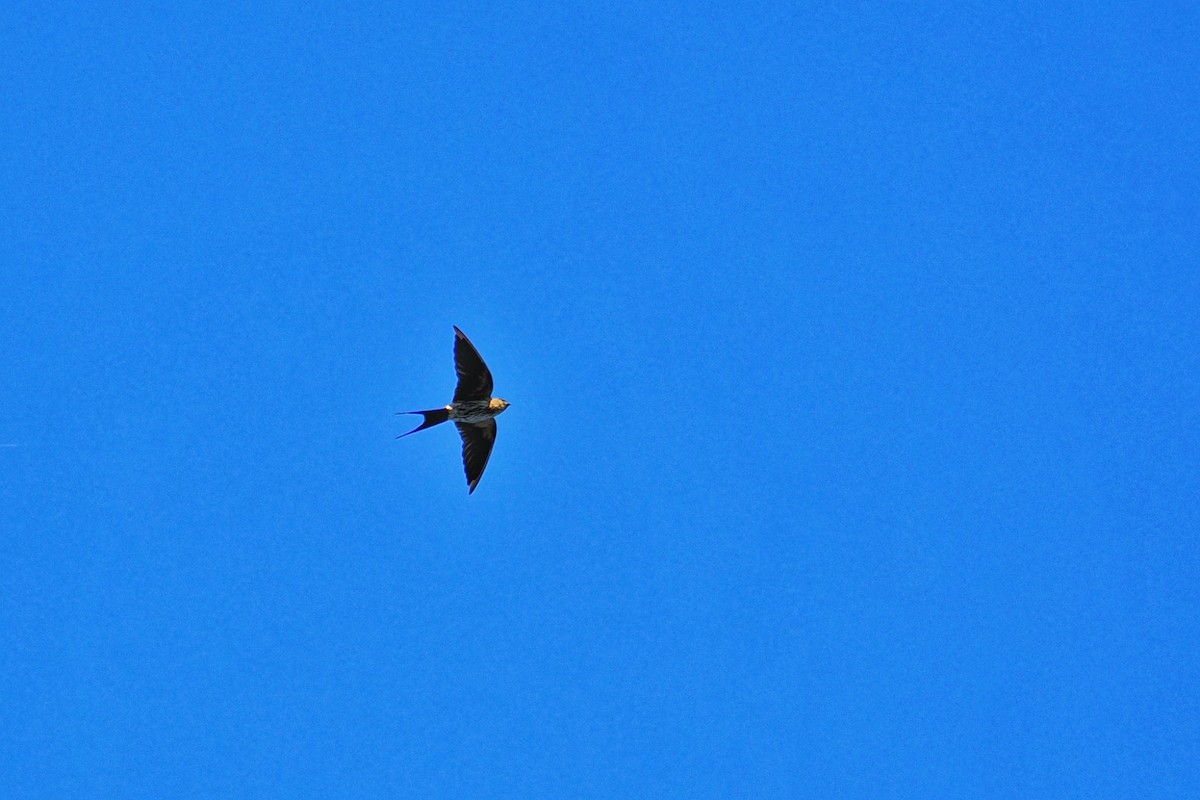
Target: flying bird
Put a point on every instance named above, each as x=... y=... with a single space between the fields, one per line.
x=473 y=410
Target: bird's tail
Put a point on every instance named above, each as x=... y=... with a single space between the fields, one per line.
x=434 y=416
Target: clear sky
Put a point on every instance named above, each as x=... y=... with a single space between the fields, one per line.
x=853 y=353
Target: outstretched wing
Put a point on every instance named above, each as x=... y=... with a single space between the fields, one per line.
x=474 y=379
x=477 y=442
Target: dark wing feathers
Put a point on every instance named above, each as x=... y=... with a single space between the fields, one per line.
x=474 y=379
x=477 y=442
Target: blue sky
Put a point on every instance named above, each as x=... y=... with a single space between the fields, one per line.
x=853 y=353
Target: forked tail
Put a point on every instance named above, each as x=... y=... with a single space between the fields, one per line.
x=434 y=416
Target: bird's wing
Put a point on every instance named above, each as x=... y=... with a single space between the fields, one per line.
x=474 y=379
x=477 y=442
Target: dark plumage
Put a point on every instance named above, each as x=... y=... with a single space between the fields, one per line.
x=473 y=410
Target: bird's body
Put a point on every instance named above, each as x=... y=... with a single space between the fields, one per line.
x=476 y=411
x=473 y=410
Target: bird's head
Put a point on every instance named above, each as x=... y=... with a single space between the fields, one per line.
x=498 y=403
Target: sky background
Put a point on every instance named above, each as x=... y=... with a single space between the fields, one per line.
x=853 y=353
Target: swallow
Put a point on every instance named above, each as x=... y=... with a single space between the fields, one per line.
x=473 y=410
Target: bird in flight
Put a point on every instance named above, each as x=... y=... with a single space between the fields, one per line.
x=473 y=410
